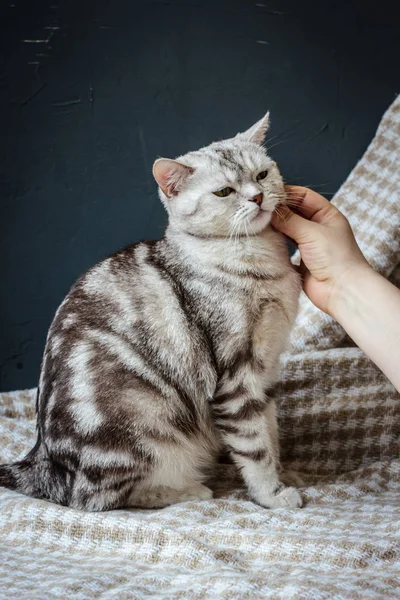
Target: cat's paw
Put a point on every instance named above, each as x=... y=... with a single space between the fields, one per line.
x=291 y=478
x=195 y=492
x=286 y=497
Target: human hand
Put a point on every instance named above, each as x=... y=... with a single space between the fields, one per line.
x=329 y=252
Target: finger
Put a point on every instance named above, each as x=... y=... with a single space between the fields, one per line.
x=289 y=240
x=294 y=226
x=310 y=204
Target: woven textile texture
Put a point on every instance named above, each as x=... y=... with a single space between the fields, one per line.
x=340 y=429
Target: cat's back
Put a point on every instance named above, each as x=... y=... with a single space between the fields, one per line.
x=111 y=292
x=122 y=323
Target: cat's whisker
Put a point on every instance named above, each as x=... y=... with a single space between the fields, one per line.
x=232 y=238
x=280 y=214
x=315 y=188
x=324 y=193
x=310 y=185
x=252 y=229
x=245 y=223
x=276 y=144
x=233 y=234
x=274 y=137
x=294 y=203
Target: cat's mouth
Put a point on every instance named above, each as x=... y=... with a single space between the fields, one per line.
x=261 y=213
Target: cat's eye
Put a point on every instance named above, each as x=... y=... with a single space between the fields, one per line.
x=224 y=192
x=262 y=175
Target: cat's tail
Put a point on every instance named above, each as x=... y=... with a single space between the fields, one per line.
x=16 y=476
x=35 y=476
x=23 y=476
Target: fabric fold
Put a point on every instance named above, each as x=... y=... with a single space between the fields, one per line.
x=339 y=428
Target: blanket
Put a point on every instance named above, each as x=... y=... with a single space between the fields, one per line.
x=340 y=430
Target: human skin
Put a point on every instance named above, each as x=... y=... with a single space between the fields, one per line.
x=339 y=280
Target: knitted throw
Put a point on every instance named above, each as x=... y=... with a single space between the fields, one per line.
x=340 y=427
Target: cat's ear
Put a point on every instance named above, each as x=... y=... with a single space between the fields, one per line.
x=170 y=175
x=257 y=132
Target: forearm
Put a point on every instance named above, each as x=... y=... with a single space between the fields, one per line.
x=368 y=308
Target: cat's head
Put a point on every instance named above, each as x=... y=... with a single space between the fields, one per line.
x=229 y=187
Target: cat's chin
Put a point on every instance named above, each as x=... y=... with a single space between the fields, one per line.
x=260 y=220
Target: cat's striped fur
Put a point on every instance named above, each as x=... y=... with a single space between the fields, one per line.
x=162 y=354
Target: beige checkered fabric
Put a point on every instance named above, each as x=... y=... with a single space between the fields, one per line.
x=340 y=428
x=370 y=199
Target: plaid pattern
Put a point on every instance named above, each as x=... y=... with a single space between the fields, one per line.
x=340 y=427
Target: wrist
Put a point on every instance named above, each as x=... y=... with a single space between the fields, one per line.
x=345 y=292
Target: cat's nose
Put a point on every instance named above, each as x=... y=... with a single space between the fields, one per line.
x=257 y=199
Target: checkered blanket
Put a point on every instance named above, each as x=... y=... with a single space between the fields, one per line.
x=340 y=428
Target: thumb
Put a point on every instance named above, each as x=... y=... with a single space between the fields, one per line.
x=292 y=225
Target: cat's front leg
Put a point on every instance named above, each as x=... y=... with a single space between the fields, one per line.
x=247 y=425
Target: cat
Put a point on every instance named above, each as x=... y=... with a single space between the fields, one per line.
x=162 y=354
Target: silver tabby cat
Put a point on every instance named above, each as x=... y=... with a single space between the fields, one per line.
x=162 y=354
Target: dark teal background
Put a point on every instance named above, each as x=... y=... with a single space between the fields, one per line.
x=123 y=82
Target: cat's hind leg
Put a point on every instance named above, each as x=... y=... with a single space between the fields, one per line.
x=160 y=497
x=133 y=496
